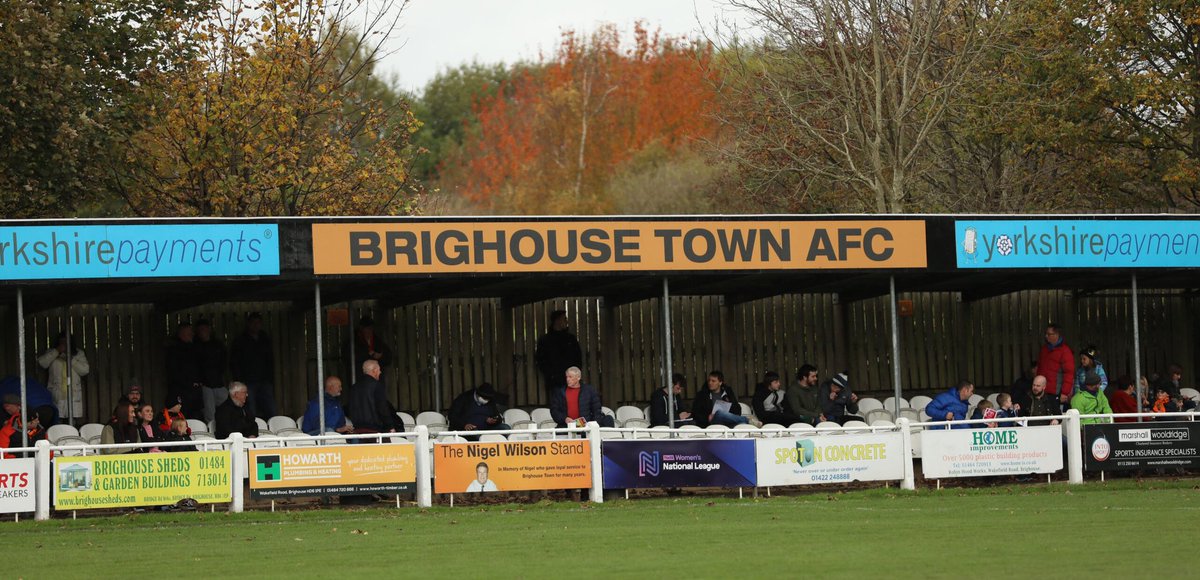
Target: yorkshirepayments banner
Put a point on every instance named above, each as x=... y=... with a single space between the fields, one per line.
x=138 y=251
x=1077 y=243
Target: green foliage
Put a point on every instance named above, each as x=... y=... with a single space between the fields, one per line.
x=446 y=110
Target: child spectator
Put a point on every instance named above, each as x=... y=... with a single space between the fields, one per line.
x=984 y=410
x=1007 y=409
x=172 y=413
x=1163 y=403
x=179 y=432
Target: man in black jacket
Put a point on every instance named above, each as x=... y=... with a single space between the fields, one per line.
x=369 y=407
x=211 y=351
x=577 y=403
x=838 y=403
x=477 y=409
x=768 y=402
x=233 y=416
x=557 y=350
x=715 y=403
x=183 y=371
x=658 y=404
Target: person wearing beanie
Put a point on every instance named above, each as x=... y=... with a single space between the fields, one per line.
x=838 y=403
x=1088 y=363
x=1091 y=401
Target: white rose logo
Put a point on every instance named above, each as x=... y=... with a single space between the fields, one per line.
x=1004 y=245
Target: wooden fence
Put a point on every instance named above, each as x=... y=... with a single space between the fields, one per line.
x=943 y=339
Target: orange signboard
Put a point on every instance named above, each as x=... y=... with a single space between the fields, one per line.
x=511 y=466
x=615 y=246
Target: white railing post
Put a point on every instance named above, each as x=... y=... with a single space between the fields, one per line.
x=237 y=468
x=42 y=481
x=424 y=473
x=593 y=435
x=1071 y=427
x=906 y=447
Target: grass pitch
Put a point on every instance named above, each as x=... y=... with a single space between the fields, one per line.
x=1139 y=529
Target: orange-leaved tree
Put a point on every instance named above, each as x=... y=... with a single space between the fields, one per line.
x=552 y=142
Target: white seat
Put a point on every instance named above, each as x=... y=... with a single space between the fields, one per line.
x=514 y=416
x=521 y=437
x=57 y=432
x=747 y=410
x=547 y=424
x=210 y=427
x=660 y=432
x=431 y=418
x=202 y=436
x=882 y=423
x=492 y=438
x=409 y=422
x=716 y=431
x=302 y=442
x=262 y=425
x=772 y=430
x=868 y=404
x=800 y=426
x=693 y=431
x=918 y=402
x=91 y=431
x=637 y=435
x=611 y=435
x=974 y=400
x=526 y=424
x=628 y=412
x=924 y=416
x=198 y=426
x=745 y=430
x=855 y=424
x=992 y=397
x=300 y=422
x=65 y=439
x=450 y=439
x=879 y=414
x=889 y=403
x=540 y=414
x=913 y=415
x=638 y=423
x=1190 y=393
x=610 y=413
x=280 y=422
x=827 y=425
x=290 y=432
x=646 y=413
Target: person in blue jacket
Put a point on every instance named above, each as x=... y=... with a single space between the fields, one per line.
x=335 y=417
x=951 y=405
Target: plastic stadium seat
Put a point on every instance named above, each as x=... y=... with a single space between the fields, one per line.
x=431 y=418
x=992 y=397
x=410 y=423
x=540 y=414
x=628 y=412
x=57 y=432
x=889 y=403
x=646 y=413
x=827 y=425
x=210 y=427
x=280 y=422
x=918 y=402
x=772 y=430
x=660 y=432
x=526 y=424
x=547 y=424
x=492 y=438
x=521 y=437
x=716 y=431
x=637 y=423
x=300 y=422
x=800 y=426
x=91 y=430
x=72 y=440
x=693 y=431
x=745 y=430
x=882 y=423
x=913 y=415
x=855 y=424
x=450 y=439
x=302 y=442
x=292 y=432
x=262 y=425
x=1186 y=392
x=924 y=416
x=974 y=400
x=611 y=435
x=868 y=404
x=514 y=416
x=878 y=414
x=747 y=410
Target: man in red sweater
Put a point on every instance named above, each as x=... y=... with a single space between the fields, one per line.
x=1056 y=362
x=1121 y=400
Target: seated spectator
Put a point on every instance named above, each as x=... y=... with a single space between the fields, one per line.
x=147 y=432
x=838 y=403
x=233 y=416
x=122 y=429
x=768 y=401
x=1041 y=403
x=577 y=403
x=801 y=401
x=10 y=432
x=1163 y=403
x=1171 y=383
x=952 y=404
x=1007 y=409
x=716 y=404
x=369 y=408
x=984 y=410
x=335 y=417
x=1091 y=401
x=179 y=432
x=477 y=410
x=1089 y=364
x=1021 y=387
x=1122 y=400
x=658 y=404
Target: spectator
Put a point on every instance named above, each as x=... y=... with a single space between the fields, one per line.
x=802 y=401
x=952 y=404
x=658 y=404
x=212 y=368
x=335 y=417
x=1007 y=409
x=1163 y=403
x=57 y=379
x=1041 y=403
x=12 y=424
x=477 y=410
x=183 y=371
x=1091 y=401
x=984 y=410
x=147 y=433
x=1122 y=400
x=1021 y=387
x=1171 y=383
x=233 y=416
x=577 y=403
x=252 y=362
x=179 y=432
x=368 y=406
x=172 y=413
x=368 y=345
x=122 y=429
x=557 y=350
x=768 y=401
x=133 y=394
x=1056 y=362
x=1089 y=364
x=716 y=404
x=838 y=403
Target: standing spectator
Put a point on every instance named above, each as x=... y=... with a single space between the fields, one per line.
x=55 y=361
x=838 y=403
x=658 y=404
x=802 y=401
x=183 y=371
x=716 y=403
x=368 y=345
x=233 y=416
x=146 y=431
x=952 y=405
x=1021 y=387
x=1171 y=383
x=1089 y=364
x=335 y=417
x=252 y=362
x=768 y=401
x=477 y=410
x=212 y=368
x=122 y=429
x=1091 y=401
x=368 y=406
x=1122 y=400
x=1056 y=362
x=557 y=350
x=577 y=403
x=1041 y=403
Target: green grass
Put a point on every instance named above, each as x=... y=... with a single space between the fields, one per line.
x=1140 y=529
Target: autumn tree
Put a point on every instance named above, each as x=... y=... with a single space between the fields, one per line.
x=446 y=110
x=554 y=139
x=277 y=112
